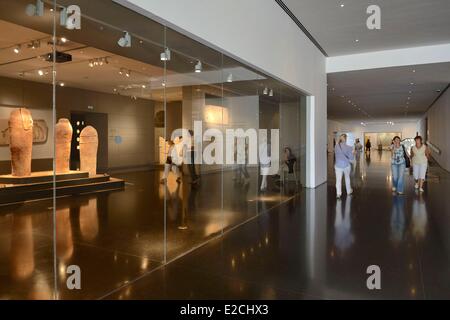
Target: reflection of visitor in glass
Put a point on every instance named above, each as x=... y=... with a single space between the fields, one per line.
x=344 y=156
x=265 y=166
x=170 y=165
x=194 y=177
x=368 y=145
x=419 y=156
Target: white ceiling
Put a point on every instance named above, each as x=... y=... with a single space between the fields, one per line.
x=404 y=24
x=383 y=93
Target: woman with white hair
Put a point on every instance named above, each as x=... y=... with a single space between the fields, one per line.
x=344 y=157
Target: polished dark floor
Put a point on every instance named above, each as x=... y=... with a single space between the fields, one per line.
x=317 y=247
x=117 y=237
x=301 y=244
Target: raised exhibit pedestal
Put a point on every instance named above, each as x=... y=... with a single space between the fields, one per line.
x=39 y=185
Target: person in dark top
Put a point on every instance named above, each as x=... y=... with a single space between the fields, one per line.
x=194 y=177
x=368 y=145
x=289 y=159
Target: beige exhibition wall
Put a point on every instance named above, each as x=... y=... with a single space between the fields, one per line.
x=132 y=120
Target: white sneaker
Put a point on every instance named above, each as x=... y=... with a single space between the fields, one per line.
x=416 y=186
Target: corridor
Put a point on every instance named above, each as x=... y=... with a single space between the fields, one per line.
x=316 y=247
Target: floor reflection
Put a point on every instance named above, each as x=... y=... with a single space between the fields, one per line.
x=116 y=237
x=319 y=247
x=343 y=235
x=308 y=245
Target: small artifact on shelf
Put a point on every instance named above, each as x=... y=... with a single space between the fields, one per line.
x=21 y=142
x=63 y=131
x=88 y=150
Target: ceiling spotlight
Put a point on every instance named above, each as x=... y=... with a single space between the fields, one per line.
x=17 y=49
x=125 y=41
x=230 y=78
x=357 y=40
x=144 y=86
x=198 y=67
x=91 y=63
x=412 y=83
x=62 y=84
x=40 y=72
x=63 y=39
x=271 y=93
x=165 y=56
x=342 y=5
x=163 y=83
x=35 y=9
x=121 y=71
x=266 y=91
x=127 y=74
x=414 y=70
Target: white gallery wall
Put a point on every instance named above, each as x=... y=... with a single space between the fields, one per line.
x=438 y=129
x=261 y=34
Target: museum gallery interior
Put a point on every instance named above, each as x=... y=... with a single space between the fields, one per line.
x=86 y=123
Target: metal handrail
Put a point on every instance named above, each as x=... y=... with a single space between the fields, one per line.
x=433 y=147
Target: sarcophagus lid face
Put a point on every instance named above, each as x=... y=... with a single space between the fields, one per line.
x=63 y=131
x=21 y=119
x=63 y=140
x=88 y=150
x=21 y=141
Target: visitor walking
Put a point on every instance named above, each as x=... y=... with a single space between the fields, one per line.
x=344 y=157
x=399 y=162
x=419 y=155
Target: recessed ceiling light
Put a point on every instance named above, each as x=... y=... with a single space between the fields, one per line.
x=414 y=70
x=63 y=39
x=144 y=86
x=17 y=49
x=165 y=56
x=357 y=40
x=198 y=67
x=412 y=83
x=40 y=72
x=342 y=5
x=62 y=84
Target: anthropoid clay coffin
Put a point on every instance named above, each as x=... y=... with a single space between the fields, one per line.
x=88 y=150
x=63 y=131
x=21 y=141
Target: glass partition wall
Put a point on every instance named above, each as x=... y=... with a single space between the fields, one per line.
x=145 y=145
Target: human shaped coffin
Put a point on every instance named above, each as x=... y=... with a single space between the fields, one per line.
x=88 y=150
x=63 y=130
x=21 y=141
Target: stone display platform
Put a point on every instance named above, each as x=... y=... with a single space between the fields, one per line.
x=39 y=185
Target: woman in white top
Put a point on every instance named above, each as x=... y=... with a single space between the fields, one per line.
x=420 y=154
